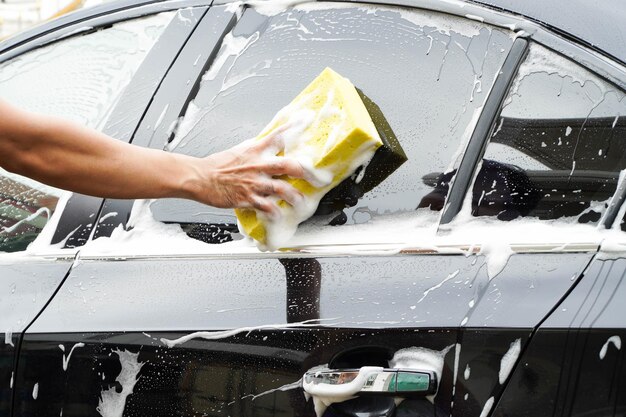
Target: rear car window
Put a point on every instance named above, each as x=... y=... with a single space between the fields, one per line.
x=558 y=147
x=79 y=79
x=429 y=73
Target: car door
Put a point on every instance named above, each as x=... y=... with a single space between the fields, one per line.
x=567 y=126
x=101 y=73
x=210 y=325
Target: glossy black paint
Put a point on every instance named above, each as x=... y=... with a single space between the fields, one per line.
x=479 y=368
x=607 y=33
x=562 y=373
x=575 y=364
x=374 y=304
x=25 y=289
x=8 y=358
x=41 y=279
x=427 y=291
x=221 y=377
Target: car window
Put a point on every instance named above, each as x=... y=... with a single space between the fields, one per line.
x=558 y=147
x=79 y=79
x=429 y=74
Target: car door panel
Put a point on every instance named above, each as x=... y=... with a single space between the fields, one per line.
x=98 y=347
x=271 y=320
x=574 y=363
x=211 y=377
x=25 y=288
x=30 y=281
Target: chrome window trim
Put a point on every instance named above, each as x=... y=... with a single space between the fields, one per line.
x=86 y=21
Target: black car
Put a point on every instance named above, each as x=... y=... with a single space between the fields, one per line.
x=482 y=277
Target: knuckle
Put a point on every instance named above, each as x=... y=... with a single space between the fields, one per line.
x=279 y=165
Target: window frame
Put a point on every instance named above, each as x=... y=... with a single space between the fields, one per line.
x=163 y=100
x=526 y=31
x=479 y=146
x=79 y=215
x=170 y=102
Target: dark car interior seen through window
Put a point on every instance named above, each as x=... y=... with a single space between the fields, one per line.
x=559 y=145
x=429 y=73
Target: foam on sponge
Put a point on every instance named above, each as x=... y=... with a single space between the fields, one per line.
x=330 y=132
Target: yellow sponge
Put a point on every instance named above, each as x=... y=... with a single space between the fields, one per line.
x=327 y=129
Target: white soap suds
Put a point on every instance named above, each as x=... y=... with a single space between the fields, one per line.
x=420 y=358
x=8 y=337
x=487 y=407
x=613 y=245
x=446 y=25
x=474 y=17
x=161 y=117
x=508 y=360
x=217 y=335
x=146 y=236
x=35 y=391
x=439 y=22
x=185 y=125
x=41 y=211
x=296 y=124
x=615 y=340
x=232 y=46
x=271 y=7
x=411 y=232
x=448 y=278
x=457 y=358
x=497 y=255
x=107 y=216
x=467 y=372
x=541 y=60
x=286 y=387
x=11 y=383
x=112 y=403
x=66 y=361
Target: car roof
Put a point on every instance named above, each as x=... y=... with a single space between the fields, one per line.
x=599 y=25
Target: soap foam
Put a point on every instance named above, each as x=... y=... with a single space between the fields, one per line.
x=508 y=360
x=417 y=358
x=297 y=122
x=615 y=340
x=112 y=403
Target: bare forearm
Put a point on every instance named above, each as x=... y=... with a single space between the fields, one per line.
x=71 y=157
x=75 y=158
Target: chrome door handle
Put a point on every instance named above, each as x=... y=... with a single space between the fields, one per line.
x=370 y=380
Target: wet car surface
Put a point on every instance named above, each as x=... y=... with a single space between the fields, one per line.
x=490 y=262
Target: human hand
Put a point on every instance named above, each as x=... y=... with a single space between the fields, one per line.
x=244 y=176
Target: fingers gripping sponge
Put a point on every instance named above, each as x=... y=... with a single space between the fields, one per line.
x=329 y=131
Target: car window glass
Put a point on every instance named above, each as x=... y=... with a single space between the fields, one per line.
x=559 y=145
x=79 y=79
x=429 y=73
